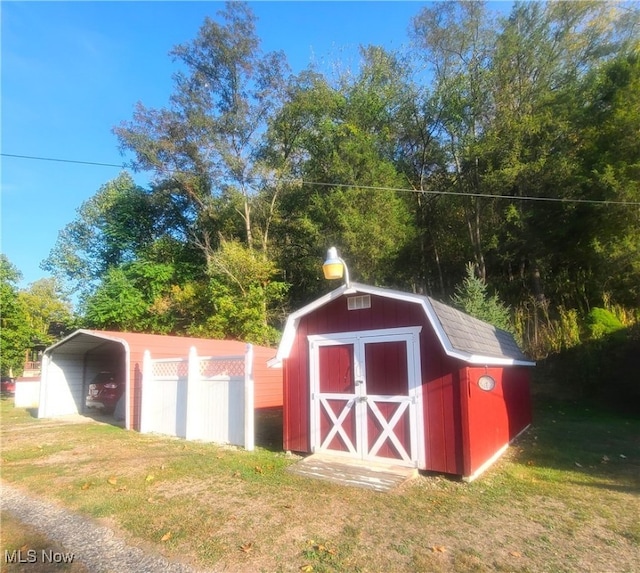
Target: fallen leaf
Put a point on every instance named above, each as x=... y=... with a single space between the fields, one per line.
x=122 y=488
x=246 y=547
x=86 y=485
x=623 y=456
x=578 y=465
x=113 y=481
x=150 y=477
x=604 y=459
x=306 y=568
x=515 y=553
x=438 y=549
x=258 y=470
x=166 y=536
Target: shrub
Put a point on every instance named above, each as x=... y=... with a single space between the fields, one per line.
x=601 y=322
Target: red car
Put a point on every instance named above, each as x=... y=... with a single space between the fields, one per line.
x=104 y=392
x=8 y=385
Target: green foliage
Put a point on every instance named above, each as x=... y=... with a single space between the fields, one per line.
x=48 y=308
x=210 y=136
x=16 y=332
x=601 y=322
x=118 y=224
x=601 y=370
x=147 y=296
x=258 y=172
x=472 y=297
x=117 y=304
x=244 y=295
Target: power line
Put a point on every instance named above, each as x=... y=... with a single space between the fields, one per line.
x=58 y=160
x=470 y=194
x=368 y=187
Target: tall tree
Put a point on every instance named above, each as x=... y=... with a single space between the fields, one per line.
x=208 y=141
x=49 y=309
x=121 y=222
x=16 y=333
x=340 y=141
x=456 y=41
x=610 y=159
x=542 y=60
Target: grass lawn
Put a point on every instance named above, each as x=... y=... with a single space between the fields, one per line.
x=565 y=497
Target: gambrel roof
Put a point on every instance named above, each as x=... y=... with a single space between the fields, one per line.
x=461 y=336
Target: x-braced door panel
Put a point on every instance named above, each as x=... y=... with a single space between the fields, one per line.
x=365 y=395
x=336 y=398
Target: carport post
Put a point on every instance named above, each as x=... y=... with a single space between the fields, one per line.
x=44 y=377
x=249 y=438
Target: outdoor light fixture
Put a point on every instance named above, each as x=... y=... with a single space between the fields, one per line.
x=334 y=267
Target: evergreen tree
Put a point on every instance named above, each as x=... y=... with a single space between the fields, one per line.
x=472 y=297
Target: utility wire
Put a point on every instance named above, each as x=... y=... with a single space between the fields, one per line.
x=470 y=194
x=57 y=160
x=369 y=187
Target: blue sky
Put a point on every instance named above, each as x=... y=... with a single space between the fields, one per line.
x=71 y=71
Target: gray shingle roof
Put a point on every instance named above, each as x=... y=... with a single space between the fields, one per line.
x=460 y=335
x=468 y=334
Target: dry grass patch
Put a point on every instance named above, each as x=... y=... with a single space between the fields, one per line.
x=564 y=499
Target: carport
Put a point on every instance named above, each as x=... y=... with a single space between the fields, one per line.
x=69 y=366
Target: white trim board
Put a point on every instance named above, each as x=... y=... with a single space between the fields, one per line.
x=289 y=334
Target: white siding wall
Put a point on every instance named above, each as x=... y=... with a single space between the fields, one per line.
x=164 y=397
x=27 y=393
x=61 y=388
x=208 y=399
x=218 y=412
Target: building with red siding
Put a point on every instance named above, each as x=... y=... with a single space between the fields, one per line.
x=70 y=365
x=383 y=375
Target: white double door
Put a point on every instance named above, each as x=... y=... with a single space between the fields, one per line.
x=366 y=395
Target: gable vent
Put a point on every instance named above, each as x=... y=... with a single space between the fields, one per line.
x=358 y=302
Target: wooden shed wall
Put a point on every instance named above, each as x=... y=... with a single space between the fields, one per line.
x=268 y=381
x=440 y=376
x=493 y=419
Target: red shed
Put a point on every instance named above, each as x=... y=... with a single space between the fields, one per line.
x=69 y=365
x=379 y=374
